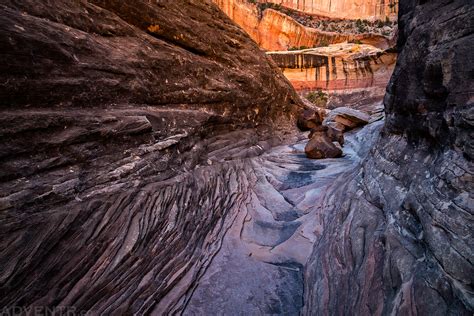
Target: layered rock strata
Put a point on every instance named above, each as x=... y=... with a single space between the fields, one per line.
x=343 y=9
x=337 y=67
x=133 y=187
x=274 y=30
x=125 y=130
x=398 y=233
x=259 y=269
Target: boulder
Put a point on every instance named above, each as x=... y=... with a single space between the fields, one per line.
x=336 y=135
x=309 y=119
x=321 y=146
x=345 y=118
x=318 y=129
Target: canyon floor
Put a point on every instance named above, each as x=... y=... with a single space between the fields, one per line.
x=151 y=164
x=259 y=268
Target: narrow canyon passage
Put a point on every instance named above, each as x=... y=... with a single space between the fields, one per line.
x=154 y=160
x=259 y=268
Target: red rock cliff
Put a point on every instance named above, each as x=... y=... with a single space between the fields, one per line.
x=273 y=30
x=344 y=9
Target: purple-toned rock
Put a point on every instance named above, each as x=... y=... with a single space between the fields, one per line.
x=398 y=233
x=112 y=114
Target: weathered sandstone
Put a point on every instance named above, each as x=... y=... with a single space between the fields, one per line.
x=320 y=146
x=273 y=30
x=309 y=119
x=125 y=131
x=343 y=9
x=346 y=118
x=339 y=67
x=398 y=233
x=149 y=164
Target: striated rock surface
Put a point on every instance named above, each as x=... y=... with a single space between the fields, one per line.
x=125 y=130
x=140 y=172
x=343 y=9
x=278 y=31
x=339 y=67
x=398 y=233
x=259 y=267
x=275 y=30
x=356 y=65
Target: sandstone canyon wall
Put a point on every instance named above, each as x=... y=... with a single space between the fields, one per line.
x=338 y=67
x=346 y=76
x=343 y=9
x=139 y=172
x=398 y=233
x=274 y=30
x=117 y=120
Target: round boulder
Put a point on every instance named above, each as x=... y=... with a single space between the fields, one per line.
x=321 y=146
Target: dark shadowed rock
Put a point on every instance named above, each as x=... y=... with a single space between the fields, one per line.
x=125 y=130
x=139 y=172
x=308 y=120
x=335 y=135
x=321 y=146
x=398 y=233
x=311 y=117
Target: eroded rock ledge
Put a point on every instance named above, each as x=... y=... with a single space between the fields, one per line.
x=337 y=67
x=275 y=30
x=127 y=185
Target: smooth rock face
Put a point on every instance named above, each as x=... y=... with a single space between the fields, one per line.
x=125 y=134
x=398 y=238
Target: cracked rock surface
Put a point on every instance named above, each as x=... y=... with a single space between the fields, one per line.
x=399 y=238
x=125 y=131
x=260 y=267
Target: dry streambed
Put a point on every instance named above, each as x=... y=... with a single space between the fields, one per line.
x=259 y=267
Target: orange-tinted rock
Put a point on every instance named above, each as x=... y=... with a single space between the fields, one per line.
x=274 y=30
x=278 y=31
x=343 y=9
x=337 y=67
x=244 y=14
